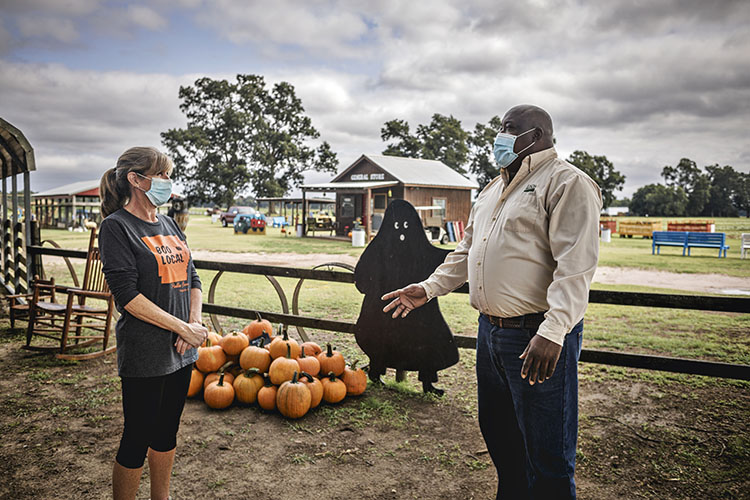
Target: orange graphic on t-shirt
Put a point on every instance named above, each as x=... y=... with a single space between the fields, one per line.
x=172 y=257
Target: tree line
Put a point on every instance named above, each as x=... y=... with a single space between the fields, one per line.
x=245 y=136
x=689 y=191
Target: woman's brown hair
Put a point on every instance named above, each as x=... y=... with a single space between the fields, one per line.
x=114 y=188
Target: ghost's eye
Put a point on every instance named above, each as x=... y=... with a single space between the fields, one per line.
x=406 y=224
x=395 y=225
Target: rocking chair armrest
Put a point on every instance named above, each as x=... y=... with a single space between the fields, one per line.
x=89 y=293
x=18 y=296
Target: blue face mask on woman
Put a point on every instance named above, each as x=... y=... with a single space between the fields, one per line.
x=160 y=191
x=503 y=148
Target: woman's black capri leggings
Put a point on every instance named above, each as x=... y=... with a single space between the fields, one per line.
x=152 y=407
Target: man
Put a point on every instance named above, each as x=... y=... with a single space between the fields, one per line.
x=529 y=252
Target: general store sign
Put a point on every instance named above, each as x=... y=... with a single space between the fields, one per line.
x=368 y=177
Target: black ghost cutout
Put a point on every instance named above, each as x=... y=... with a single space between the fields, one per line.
x=399 y=255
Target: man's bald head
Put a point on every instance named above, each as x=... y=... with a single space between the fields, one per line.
x=533 y=126
x=528 y=116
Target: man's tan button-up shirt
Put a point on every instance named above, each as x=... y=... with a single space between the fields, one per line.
x=529 y=246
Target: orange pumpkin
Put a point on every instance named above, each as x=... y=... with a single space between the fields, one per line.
x=293 y=398
x=355 y=380
x=267 y=396
x=334 y=390
x=331 y=361
x=210 y=358
x=278 y=347
x=256 y=328
x=311 y=348
x=233 y=343
x=316 y=388
x=247 y=385
x=309 y=364
x=196 y=383
x=219 y=394
x=283 y=369
x=255 y=357
x=213 y=377
x=214 y=337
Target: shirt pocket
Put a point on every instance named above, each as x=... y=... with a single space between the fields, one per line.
x=523 y=213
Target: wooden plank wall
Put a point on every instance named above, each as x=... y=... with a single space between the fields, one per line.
x=458 y=201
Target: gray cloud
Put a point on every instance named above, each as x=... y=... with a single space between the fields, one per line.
x=644 y=83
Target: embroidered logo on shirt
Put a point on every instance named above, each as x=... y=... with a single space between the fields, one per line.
x=530 y=188
x=171 y=256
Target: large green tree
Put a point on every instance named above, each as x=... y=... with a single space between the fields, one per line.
x=602 y=171
x=723 y=184
x=693 y=181
x=741 y=197
x=481 y=160
x=242 y=135
x=442 y=139
x=659 y=200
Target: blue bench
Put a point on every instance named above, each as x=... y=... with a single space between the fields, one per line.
x=707 y=240
x=669 y=239
x=279 y=222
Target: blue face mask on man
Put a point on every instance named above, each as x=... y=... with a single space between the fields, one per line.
x=503 y=148
x=160 y=191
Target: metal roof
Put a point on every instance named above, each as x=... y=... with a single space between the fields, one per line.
x=417 y=172
x=16 y=154
x=332 y=186
x=69 y=189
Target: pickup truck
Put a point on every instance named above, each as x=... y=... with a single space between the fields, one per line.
x=227 y=218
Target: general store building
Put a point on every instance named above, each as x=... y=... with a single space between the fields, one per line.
x=365 y=188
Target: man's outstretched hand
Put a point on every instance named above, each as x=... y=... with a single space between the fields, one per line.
x=539 y=359
x=404 y=300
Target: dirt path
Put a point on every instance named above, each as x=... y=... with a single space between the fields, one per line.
x=706 y=283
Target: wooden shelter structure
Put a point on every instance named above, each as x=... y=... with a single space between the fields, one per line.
x=67 y=206
x=291 y=208
x=365 y=188
x=16 y=160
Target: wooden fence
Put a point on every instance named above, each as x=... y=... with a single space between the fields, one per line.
x=290 y=316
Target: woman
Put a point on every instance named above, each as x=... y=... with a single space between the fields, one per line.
x=149 y=270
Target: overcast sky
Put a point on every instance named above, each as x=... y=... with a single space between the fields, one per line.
x=643 y=82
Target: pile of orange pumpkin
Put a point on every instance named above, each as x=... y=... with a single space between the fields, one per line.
x=282 y=375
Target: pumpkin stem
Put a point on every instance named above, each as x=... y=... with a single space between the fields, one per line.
x=286 y=333
x=353 y=366
x=257 y=314
x=332 y=376
x=294 y=378
x=303 y=353
x=330 y=350
x=221 y=378
x=251 y=372
x=262 y=341
x=267 y=380
x=307 y=376
x=225 y=366
x=288 y=351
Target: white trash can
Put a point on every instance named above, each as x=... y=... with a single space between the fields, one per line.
x=214 y=218
x=606 y=235
x=358 y=238
x=299 y=230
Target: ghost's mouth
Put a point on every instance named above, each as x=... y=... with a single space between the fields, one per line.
x=402 y=237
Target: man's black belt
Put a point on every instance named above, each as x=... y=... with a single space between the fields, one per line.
x=530 y=321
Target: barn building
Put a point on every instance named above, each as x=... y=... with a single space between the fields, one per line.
x=365 y=188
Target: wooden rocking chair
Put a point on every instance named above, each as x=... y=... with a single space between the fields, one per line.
x=20 y=304
x=75 y=324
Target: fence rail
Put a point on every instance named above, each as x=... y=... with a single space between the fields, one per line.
x=660 y=363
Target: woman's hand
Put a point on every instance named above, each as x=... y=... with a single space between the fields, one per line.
x=193 y=334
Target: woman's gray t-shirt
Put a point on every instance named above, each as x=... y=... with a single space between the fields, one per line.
x=153 y=259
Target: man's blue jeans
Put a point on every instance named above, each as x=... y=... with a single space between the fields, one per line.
x=530 y=431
